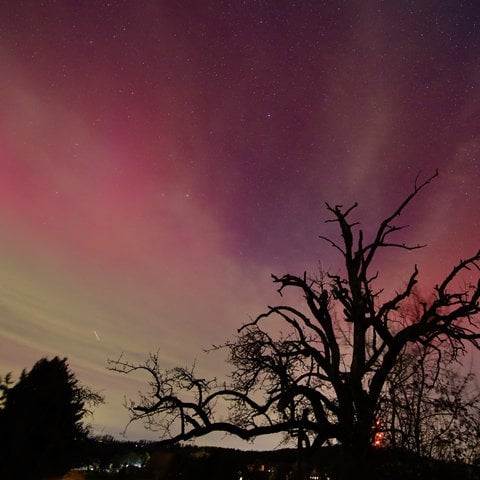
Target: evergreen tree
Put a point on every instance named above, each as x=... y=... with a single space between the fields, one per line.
x=41 y=429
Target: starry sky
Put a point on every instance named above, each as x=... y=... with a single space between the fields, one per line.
x=160 y=159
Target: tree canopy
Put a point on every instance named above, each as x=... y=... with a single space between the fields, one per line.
x=41 y=429
x=316 y=371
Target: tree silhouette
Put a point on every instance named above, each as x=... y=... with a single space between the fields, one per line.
x=41 y=430
x=317 y=370
x=430 y=408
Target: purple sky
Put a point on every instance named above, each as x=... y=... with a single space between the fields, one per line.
x=160 y=159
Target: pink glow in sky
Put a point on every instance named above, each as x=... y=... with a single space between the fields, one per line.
x=160 y=159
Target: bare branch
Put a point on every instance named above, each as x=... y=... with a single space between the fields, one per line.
x=320 y=366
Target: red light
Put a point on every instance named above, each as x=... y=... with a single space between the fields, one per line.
x=379 y=436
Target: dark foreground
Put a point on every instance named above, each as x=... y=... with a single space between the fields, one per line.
x=192 y=463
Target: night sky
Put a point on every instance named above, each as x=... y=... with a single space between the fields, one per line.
x=160 y=159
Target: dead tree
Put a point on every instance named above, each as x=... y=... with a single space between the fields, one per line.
x=318 y=369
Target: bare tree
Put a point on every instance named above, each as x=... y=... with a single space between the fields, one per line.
x=430 y=407
x=317 y=370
